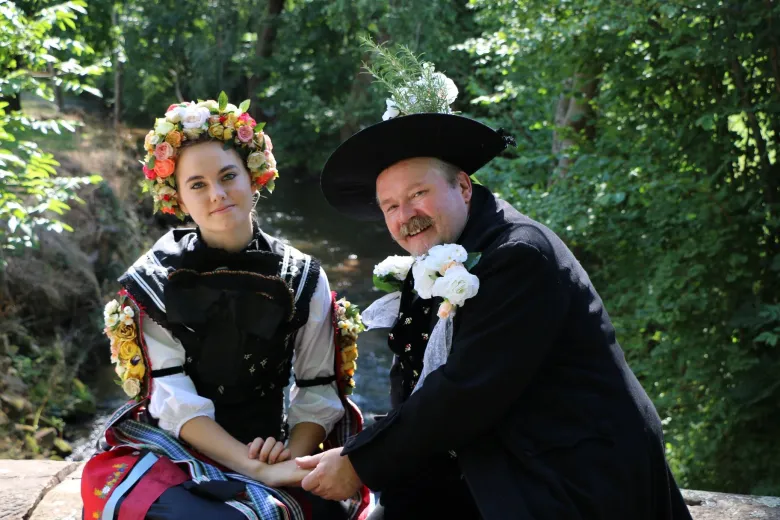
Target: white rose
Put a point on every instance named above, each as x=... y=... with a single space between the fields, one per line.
x=111 y=320
x=424 y=279
x=120 y=370
x=132 y=387
x=155 y=139
x=391 y=111
x=446 y=87
x=128 y=311
x=194 y=117
x=442 y=255
x=110 y=308
x=457 y=285
x=230 y=107
x=127 y=320
x=255 y=161
x=174 y=116
x=270 y=159
x=395 y=266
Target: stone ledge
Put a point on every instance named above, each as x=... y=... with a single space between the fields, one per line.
x=50 y=490
x=707 y=505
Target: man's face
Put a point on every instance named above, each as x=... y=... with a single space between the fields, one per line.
x=421 y=207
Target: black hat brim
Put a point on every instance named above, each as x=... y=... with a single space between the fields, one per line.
x=349 y=176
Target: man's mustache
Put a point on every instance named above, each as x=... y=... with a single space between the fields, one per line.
x=415 y=225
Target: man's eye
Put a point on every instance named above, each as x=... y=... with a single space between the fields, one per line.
x=421 y=192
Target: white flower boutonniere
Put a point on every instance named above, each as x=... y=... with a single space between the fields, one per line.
x=390 y=273
x=444 y=272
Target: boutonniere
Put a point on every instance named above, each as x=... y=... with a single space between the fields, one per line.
x=390 y=273
x=444 y=272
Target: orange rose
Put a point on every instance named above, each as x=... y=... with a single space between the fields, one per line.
x=173 y=138
x=164 y=168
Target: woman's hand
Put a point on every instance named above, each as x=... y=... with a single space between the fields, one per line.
x=269 y=451
x=282 y=474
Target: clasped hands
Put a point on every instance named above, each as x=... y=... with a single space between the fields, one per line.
x=327 y=474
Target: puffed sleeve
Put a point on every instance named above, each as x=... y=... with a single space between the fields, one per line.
x=174 y=400
x=314 y=358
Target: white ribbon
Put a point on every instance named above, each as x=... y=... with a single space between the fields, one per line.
x=383 y=314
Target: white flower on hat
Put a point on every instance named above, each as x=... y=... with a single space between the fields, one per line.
x=446 y=87
x=391 y=111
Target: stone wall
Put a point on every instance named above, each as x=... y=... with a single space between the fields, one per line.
x=49 y=490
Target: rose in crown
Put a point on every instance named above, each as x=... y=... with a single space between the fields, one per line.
x=204 y=121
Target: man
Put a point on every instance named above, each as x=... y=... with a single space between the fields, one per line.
x=535 y=414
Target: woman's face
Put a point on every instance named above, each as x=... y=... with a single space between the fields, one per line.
x=214 y=188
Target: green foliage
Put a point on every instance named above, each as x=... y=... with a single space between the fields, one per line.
x=665 y=184
x=30 y=191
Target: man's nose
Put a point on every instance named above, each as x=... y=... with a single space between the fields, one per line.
x=406 y=212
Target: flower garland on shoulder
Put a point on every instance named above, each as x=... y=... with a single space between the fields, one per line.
x=120 y=327
x=441 y=272
x=204 y=121
x=348 y=324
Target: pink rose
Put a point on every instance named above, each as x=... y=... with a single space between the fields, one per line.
x=268 y=145
x=149 y=174
x=163 y=151
x=270 y=159
x=246 y=118
x=245 y=134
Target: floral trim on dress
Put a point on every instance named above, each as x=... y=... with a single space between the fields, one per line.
x=126 y=352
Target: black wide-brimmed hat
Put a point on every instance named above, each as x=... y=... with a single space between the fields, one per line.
x=348 y=179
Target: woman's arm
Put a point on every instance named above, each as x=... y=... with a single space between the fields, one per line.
x=314 y=410
x=209 y=438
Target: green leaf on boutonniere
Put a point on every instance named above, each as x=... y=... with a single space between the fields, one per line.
x=387 y=284
x=471 y=260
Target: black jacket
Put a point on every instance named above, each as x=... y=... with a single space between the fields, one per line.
x=536 y=398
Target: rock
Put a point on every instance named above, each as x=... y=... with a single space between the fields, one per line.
x=3 y=418
x=706 y=505
x=62 y=446
x=23 y=483
x=19 y=404
x=26 y=428
x=31 y=444
x=63 y=502
x=45 y=437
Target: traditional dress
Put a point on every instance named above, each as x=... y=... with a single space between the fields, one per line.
x=535 y=415
x=219 y=334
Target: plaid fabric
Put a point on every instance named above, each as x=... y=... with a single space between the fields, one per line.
x=267 y=502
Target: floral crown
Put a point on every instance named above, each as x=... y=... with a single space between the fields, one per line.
x=204 y=120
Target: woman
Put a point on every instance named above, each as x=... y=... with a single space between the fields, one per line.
x=208 y=326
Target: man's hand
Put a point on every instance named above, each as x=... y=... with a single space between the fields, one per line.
x=332 y=476
x=269 y=451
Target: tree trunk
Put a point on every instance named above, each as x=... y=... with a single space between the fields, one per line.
x=573 y=113
x=117 y=70
x=264 y=47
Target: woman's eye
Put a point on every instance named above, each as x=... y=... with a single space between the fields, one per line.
x=229 y=177
x=196 y=185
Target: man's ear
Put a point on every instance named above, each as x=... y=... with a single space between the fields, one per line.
x=465 y=186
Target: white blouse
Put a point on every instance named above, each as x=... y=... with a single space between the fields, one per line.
x=174 y=400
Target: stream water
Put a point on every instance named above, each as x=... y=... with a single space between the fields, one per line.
x=348 y=250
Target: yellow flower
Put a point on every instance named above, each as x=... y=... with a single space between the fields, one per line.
x=136 y=368
x=227 y=134
x=125 y=332
x=231 y=120
x=174 y=139
x=350 y=353
x=216 y=130
x=128 y=349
